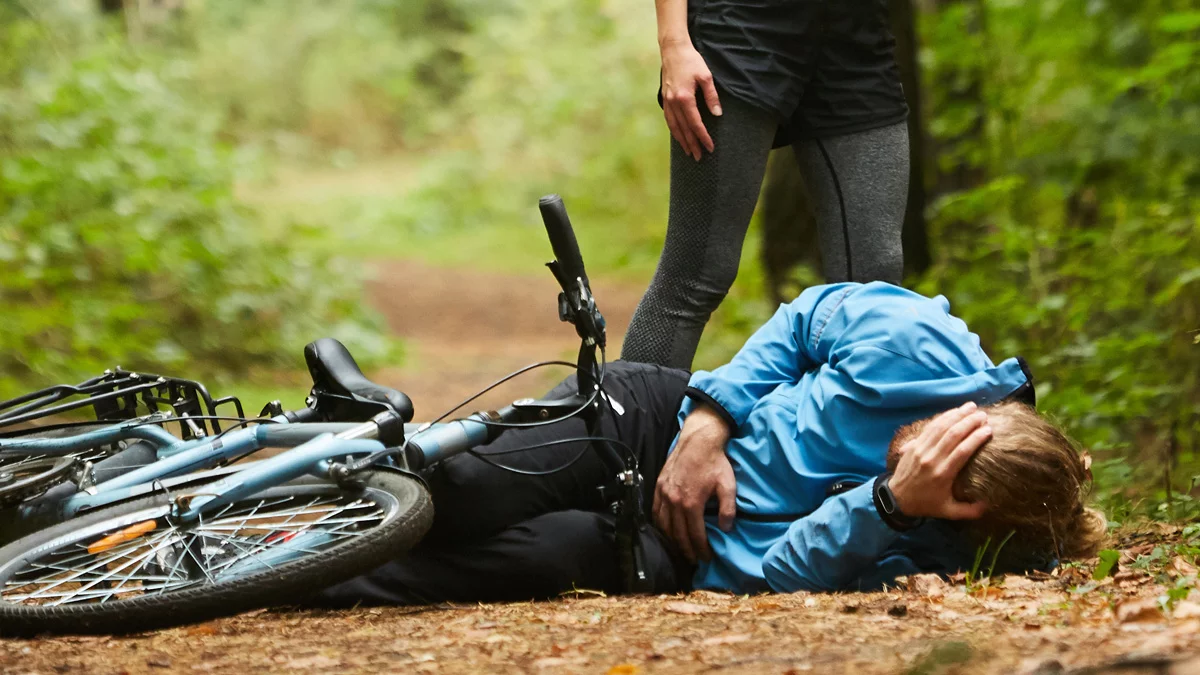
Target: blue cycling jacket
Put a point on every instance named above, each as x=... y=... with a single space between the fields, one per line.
x=814 y=398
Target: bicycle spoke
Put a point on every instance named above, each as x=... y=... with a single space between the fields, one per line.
x=250 y=536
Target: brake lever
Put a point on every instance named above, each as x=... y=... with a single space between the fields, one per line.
x=577 y=306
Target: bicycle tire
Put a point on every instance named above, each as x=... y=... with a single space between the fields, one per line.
x=52 y=468
x=405 y=523
x=32 y=477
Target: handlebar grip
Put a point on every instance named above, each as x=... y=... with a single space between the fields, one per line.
x=562 y=236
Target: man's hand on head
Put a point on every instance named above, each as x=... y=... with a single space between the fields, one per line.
x=694 y=472
x=924 y=477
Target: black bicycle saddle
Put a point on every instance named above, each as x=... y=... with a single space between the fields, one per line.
x=341 y=390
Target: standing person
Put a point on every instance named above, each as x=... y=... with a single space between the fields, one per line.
x=738 y=78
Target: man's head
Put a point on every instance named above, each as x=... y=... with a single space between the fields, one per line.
x=1032 y=478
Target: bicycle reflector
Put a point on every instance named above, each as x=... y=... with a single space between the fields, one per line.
x=132 y=532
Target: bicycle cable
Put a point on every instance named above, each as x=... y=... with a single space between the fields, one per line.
x=165 y=420
x=370 y=459
x=527 y=425
x=483 y=456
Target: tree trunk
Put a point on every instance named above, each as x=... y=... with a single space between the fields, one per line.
x=788 y=228
x=915 y=238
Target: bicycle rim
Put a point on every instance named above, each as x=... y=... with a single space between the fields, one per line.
x=133 y=562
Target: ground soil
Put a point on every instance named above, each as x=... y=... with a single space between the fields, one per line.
x=466 y=329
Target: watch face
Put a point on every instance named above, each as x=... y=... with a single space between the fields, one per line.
x=887 y=500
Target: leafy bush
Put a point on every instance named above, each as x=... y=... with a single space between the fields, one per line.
x=367 y=75
x=121 y=243
x=1081 y=248
x=559 y=99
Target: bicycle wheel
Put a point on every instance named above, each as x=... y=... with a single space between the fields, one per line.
x=24 y=474
x=128 y=568
x=27 y=476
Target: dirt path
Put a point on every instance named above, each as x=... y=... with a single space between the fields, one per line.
x=1032 y=627
x=466 y=329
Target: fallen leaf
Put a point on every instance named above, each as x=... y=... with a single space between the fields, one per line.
x=624 y=669
x=1018 y=582
x=988 y=592
x=317 y=662
x=202 y=629
x=1187 y=627
x=727 y=639
x=1182 y=566
x=1139 y=611
x=1130 y=575
x=1186 y=609
x=927 y=584
x=687 y=608
x=711 y=595
x=1131 y=554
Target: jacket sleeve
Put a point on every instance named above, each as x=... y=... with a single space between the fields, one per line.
x=778 y=353
x=832 y=548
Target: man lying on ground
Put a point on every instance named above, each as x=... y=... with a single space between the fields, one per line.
x=860 y=435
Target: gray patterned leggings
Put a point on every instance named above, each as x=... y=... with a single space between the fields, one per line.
x=858 y=183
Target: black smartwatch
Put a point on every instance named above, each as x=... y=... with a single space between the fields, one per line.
x=889 y=511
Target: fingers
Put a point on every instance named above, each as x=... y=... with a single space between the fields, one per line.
x=710 y=95
x=696 y=534
x=658 y=508
x=727 y=501
x=940 y=424
x=683 y=119
x=679 y=534
x=962 y=453
x=696 y=125
x=957 y=433
x=690 y=144
x=674 y=126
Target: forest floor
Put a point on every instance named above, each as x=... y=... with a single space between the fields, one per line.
x=465 y=329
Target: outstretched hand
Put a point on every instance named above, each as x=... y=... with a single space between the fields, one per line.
x=695 y=471
x=924 y=477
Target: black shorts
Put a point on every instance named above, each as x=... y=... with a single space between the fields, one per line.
x=825 y=67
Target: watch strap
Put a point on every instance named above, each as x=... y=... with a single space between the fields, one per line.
x=889 y=511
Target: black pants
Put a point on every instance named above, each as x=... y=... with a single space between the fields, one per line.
x=499 y=536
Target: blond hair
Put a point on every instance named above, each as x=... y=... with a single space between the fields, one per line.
x=1035 y=482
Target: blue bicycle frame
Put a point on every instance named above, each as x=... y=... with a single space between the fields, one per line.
x=314 y=446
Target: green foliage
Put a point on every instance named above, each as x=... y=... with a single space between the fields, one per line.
x=559 y=99
x=1077 y=242
x=121 y=243
x=977 y=573
x=1108 y=562
x=300 y=75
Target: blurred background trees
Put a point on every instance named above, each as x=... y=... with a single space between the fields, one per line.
x=166 y=170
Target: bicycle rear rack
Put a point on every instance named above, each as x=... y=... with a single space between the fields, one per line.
x=115 y=396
